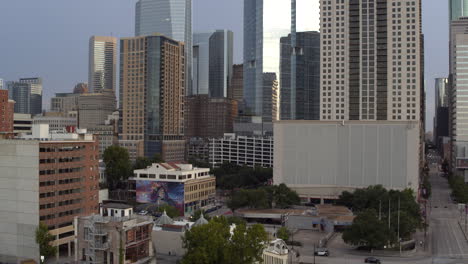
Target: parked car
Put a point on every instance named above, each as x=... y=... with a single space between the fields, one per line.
x=143 y=212
x=372 y=260
x=322 y=252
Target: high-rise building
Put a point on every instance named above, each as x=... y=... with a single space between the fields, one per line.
x=220 y=69
x=236 y=88
x=7 y=108
x=265 y=22
x=21 y=94
x=1 y=84
x=81 y=88
x=209 y=117
x=152 y=104
x=457 y=9
x=441 y=117
x=94 y=108
x=102 y=63
x=300 y=83
x=36 y=94
x=458 y=89
x=201 y=63
x=171 y=18
x=212 y=63
x=371 y=60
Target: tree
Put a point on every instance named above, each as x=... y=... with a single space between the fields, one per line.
x=346 y=199
x=283 y=233
x=213 y=243
x=197 y=215
x=277 y=196
x=171 y=211
x=43 y=239
x=118 y=165
x=282 y=196
x=141 y=163
x=367 y=230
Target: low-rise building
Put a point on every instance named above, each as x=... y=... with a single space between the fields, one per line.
x=22 y=123
x=183 y=186
x=241 y=150
x=58 y=124
x=7 y=108
x=114 y=234
x=321 y=159
x=276 y=252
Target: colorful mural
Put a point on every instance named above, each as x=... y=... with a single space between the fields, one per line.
x=157 y=192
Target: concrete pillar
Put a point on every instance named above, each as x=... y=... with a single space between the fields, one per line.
x=69 y=248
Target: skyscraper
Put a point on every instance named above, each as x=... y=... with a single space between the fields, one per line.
x=201 y=63
x=304 y=102
x=236 y=87
x=21 y=94
x=441 y=117
x=152 y=89
x=221 y=50
x=457 y=9
x=36 y=94
x=102 y=63
x=171 y=18
x=265 y=22
x=371 y=60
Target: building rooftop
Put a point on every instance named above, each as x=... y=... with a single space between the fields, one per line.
x=116 y=206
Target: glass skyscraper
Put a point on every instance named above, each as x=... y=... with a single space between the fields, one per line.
x=265 y=22
x=171 y=18
x=457 y=9
x=102 y=63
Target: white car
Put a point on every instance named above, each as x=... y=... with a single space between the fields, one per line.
x=322 y=252
x=143 y=212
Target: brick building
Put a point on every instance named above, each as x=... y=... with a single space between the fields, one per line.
x=209 y=117
x=6 y=112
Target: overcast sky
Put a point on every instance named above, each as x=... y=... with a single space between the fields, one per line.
x=49 y=38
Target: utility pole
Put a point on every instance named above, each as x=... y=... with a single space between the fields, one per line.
x=399 y=239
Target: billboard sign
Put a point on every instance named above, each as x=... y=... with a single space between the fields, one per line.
x=160 y=193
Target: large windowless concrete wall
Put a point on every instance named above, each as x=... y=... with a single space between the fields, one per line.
x=321 y=159
x=19 y=200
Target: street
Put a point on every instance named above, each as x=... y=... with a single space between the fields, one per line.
x=445 y=238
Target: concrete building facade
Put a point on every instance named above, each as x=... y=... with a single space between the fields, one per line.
x=22 y=123
x=94 y=108
x=102 y=63
x=181 y=185
x=152 y=90
x=19 y=199
x=241 y=150
x=321 y=159
x=113 y=234
x=209 y=117
x=372 y=64
x=56 y=123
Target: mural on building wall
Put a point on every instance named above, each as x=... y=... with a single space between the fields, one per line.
x=159 y=193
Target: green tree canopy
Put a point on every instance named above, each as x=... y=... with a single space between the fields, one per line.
x=367 y=230
x=283 y=233
x=43 y=239
x=213 y=243
x=231 y=176
x=141 y=163
x=171 y=211
x=277 y=196
x=118 y=165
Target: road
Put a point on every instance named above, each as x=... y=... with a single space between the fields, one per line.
x=447 y=242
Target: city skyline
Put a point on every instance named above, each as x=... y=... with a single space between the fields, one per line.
x=59 y=77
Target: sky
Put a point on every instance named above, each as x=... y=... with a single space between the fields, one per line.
x=49 y=38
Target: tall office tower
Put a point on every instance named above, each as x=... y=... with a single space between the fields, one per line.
x=212 y=63
x=270 y=97
x=21 y=94
x=371 y=60
x=221 y=50
x=1 y=84
x=265 y=22
x=201 y=63
x=457 y=9
x=441 y=117
x=300 y=77
x=152 y=89
x=458 y=91
x=36 y=94
x=171 y=18
x=102 y=63
x=236 y=87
